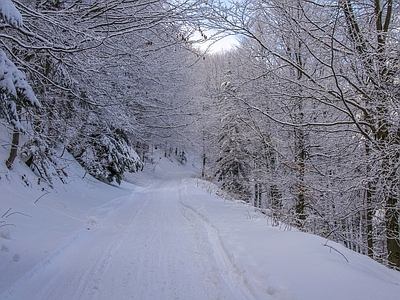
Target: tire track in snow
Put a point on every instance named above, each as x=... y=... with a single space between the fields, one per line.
x=149 y=246
x=89 y=285
x=156 y=254
x=228 y=271
x=179 y=261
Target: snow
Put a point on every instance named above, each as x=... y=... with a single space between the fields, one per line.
x=13 y=80
x=163 y=234
x=10 y=14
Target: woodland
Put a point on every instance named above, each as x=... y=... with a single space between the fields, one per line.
x=301 y=119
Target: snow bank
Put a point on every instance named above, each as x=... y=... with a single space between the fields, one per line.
x=37 y=221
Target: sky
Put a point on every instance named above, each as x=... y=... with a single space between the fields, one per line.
x=225 y=44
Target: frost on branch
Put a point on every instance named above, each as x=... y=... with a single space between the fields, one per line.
x=9 y=14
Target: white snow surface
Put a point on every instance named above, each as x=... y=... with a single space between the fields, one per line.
x=163 y=234
x=10 y=14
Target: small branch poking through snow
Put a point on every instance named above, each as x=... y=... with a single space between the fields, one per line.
x=8 y=214
x=41 y=197
x=3 y=223
x=326 y=245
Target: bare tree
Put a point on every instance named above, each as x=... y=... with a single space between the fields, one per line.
x=336 y=64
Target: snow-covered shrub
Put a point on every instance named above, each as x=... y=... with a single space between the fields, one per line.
x=106 y=156
x=42 y=160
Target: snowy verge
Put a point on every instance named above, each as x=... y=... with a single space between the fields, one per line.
x=288 y=264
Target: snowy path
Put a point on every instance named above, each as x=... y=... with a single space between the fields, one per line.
x=164 y=235
x=149 y=245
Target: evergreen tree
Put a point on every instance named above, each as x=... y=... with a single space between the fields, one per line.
x=232 y=166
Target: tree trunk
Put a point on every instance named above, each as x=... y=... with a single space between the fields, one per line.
x=203 y=166
x=378 y=117
x=370 y=210
x=369 y=206
x=392 y=228
x=392 y=221
x=300 y=184
x=257 y=195
x=14 y=149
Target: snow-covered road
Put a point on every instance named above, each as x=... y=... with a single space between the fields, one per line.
x=166 y=235
x=150 y=245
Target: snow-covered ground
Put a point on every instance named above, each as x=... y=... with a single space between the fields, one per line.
x=163 y=235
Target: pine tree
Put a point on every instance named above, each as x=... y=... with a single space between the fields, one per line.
x=232 y=166
x=15 y=92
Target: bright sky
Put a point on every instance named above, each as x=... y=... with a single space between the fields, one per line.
x=225 y=44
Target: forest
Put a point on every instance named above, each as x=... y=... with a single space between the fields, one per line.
x=301 y=119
